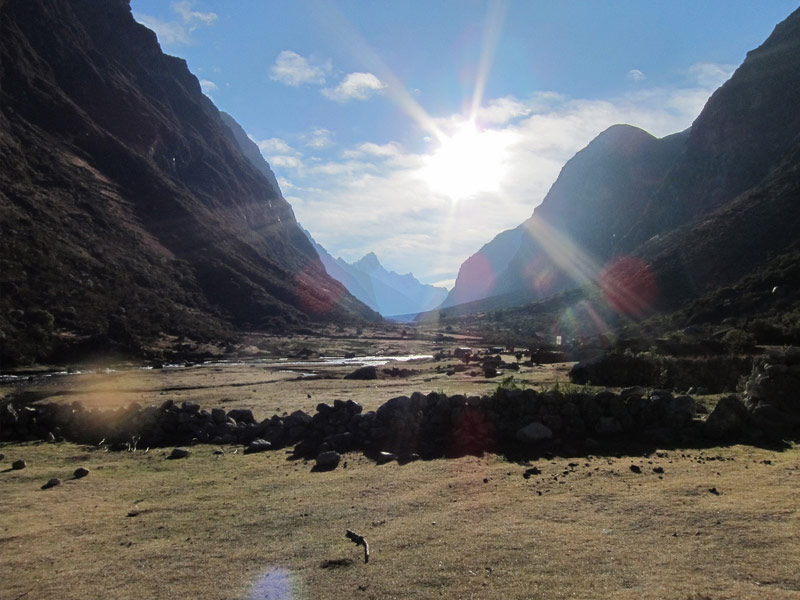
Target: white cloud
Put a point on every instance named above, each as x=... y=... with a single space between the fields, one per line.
x=320 y=138
x=290 y=162
x=292 y=69
x=208 y=86
x=355 y=86
x=177 y=32
x=711 y=74
x=272 y=146
x=390 y=150
x=636 y=75
x=193 y=17
x=503 y=110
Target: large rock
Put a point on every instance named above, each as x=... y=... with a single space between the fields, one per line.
x=367 y=372
x=728 y=418
x=257 y=445
x=534 y=432
x=328 y=460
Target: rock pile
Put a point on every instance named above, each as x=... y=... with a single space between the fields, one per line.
x=771 y=396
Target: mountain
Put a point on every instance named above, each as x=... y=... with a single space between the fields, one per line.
x=384 y=291
x=596 y=198
x=250 y=150
x=128 y=212
x=665 y=220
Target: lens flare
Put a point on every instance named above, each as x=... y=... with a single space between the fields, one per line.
x=629 y=285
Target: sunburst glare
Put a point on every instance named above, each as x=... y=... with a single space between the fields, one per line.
x=468 y=162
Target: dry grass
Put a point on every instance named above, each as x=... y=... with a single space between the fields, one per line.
x=262 y=526
x=240 y=526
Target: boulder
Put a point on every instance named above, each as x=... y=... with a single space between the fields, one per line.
x=51 y=483
x=80 y=472
x=178 y=453
x=328 y=460
x=608 y=426
x=727 y=418
x=534 y=432
x=242 y=415
x=18 y=465
x=257 y=445
x=364 y=373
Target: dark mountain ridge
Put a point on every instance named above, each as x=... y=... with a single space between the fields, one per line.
x=127 y=209
x=591 y=205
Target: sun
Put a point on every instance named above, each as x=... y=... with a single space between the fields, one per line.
x=468 y=162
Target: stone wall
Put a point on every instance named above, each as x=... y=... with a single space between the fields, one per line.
x=433 y=425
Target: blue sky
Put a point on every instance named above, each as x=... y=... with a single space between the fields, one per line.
x=420 y=130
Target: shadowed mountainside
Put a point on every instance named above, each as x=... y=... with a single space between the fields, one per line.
x=594 y=201
x=127 y=210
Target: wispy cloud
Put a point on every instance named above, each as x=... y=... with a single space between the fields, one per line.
x=636 y=75
x=320 y=138
x=294 y=70
x=179 y=31
x=355 y=86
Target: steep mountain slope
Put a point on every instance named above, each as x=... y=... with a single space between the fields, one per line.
x=127 y=210
x=250 y=150
x=596 y=198
x=742 y=133
x=384 y=291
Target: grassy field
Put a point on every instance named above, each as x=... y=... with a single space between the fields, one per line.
x=263 y=526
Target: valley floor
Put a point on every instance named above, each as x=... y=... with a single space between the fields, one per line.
x=691 y=524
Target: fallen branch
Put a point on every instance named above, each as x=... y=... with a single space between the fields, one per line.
x=359 y=540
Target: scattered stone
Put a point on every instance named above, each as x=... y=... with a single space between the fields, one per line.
x=534 y=432
x=80 y=472
x=178 y=453
x=219 y=452
x=51 y=483
x=659 y=470
x=328 y=460
x=714 y=491
x=18 y=465
x=532 y=471
x=636 y=469
x=257 y=445
x=2 y=456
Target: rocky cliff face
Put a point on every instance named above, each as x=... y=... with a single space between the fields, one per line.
x=386 y=292
x=127 y=209
x=698 y=209
x=746 y=128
